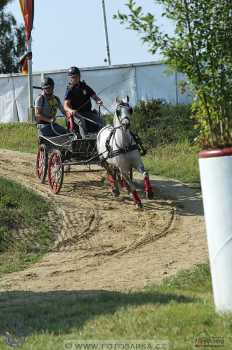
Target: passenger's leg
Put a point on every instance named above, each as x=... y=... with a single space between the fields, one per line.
x=45 y=130
x=59 y=129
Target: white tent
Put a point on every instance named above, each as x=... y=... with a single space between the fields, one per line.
x=140 y=81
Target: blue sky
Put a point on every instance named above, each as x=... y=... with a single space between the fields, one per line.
x=71 y=32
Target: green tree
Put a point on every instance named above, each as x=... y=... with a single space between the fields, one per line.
x=201 y=47
x=12 y=41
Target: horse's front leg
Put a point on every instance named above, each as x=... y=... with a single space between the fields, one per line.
x=146 y=180
x=136 y=198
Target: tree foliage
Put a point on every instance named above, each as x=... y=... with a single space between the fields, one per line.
x=12 y=41
x=201 y=47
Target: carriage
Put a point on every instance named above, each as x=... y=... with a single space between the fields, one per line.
x=114 y=147
x=62 y=151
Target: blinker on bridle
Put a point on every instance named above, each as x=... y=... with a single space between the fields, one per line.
x=125 y=105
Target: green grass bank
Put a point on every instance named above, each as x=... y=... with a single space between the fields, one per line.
x=25 y=230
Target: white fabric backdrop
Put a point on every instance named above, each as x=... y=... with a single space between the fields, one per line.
x=141 y=81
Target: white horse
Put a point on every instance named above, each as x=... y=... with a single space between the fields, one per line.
x=118 y=150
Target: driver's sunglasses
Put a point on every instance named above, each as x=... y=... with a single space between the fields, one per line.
x=48 y=88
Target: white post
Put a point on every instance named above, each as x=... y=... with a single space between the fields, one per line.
x=30 y=88
x=216 y=183
x=106 y=33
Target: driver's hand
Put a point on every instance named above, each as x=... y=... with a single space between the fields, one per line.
x=69 y=114
x=73 y=112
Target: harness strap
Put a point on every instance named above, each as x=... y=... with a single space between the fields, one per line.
x=108 y=147
x=122 y=151
x=139 y=142
x=137 y=146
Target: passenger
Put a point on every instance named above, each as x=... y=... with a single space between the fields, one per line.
x=46 y=106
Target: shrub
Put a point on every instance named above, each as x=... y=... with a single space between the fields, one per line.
x=158 y=122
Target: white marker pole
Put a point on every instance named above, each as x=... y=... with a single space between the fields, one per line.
x=216 y=183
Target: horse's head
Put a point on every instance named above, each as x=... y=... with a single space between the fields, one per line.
x=123 y=112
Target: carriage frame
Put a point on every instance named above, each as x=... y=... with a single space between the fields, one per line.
x=56 y=153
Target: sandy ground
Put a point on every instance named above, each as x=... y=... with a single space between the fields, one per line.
x=105 y=243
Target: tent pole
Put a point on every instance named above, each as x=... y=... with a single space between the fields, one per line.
x=30 y=89
x=106 y=33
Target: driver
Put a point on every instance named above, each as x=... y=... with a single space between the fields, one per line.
x=46 y=105
x=78 y=104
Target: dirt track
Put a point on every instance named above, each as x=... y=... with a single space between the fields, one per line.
x=105 y=243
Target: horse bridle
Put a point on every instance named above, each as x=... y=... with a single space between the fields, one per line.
x=123 y=105
x=129 y=148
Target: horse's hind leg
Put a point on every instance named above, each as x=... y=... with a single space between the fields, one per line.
x=124 y=185
x=113 y=181
x=111 y=177
x=147 y=184
x=136 y=198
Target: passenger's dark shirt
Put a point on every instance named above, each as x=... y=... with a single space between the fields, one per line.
x=79 y=96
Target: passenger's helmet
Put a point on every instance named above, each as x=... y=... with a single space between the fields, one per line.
x=48 y=82
x=74 y=71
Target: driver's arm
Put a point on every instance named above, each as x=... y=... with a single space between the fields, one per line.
x=97 y=99
x=68 y=107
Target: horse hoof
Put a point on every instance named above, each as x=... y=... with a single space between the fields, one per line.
x=149 y=195
x=115 y=192
x=139 y=206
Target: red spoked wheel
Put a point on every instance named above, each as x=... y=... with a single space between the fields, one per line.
x=42 y=163
x=55 y=172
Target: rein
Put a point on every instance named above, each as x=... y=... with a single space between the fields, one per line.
x=111 y=153
x=110 y=112
x=81 y=116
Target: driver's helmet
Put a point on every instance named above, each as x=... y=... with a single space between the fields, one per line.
x=74 y=71
x=47 y=82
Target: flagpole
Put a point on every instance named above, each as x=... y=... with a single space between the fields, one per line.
x=106 y=33
x=30 y=89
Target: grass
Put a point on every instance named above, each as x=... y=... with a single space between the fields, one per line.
x=18 y=137
x=25 y=231
x=179 y=311
x=176 y=161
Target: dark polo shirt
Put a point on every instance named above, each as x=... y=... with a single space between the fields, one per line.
x=79 y=96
